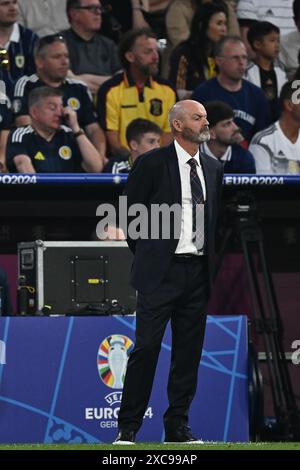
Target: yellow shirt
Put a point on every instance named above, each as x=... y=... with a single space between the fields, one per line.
x=119 y=102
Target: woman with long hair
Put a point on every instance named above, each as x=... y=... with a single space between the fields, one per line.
x=192 y=61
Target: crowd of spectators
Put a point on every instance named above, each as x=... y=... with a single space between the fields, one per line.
x=116 y=68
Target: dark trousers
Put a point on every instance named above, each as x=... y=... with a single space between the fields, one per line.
x=181 y=298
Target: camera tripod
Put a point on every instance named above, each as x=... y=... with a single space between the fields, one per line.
x=241 y=220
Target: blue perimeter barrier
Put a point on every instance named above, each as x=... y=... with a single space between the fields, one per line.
x=110 y=179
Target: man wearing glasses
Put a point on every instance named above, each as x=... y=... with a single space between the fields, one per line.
x=93 y=57
x=16 y=46
x=250 y=106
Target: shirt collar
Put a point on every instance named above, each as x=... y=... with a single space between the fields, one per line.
x=226 y=157
x=15 y=35
x=184 y=156
x=130 y=82
x=79 y=38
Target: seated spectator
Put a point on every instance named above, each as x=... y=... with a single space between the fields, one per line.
x=52 y=64
x=192 y=61
x=46 y=146
x=290 y=44
x=5 y=124
x=5 y=303
x=225 y=137
x=137 y=92
x=116 y=20
x=296 y=75
x=16 y=46
x=277 y=12
x=264 y=38
x=122 y=16
x=42 y=17
x=179 y=18
x=150 y=14
x=142 y=136
x=249 y=104
x=180 y=15
x=277 y=148
x=93 y=57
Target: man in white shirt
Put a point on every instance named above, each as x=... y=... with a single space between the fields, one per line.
x=278 y=12
x=43 y=16
x=277 y=148
x=171 y=273
x=290 y=44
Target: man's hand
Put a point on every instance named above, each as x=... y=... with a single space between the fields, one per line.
x=70 y=118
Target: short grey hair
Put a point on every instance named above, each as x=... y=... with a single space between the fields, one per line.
x=37 y=95
x=219 y=46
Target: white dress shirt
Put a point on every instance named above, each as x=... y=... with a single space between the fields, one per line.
x=185 y=243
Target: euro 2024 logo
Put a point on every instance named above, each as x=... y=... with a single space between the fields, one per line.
x=112 y=360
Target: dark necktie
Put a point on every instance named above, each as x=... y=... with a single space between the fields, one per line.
x=198 y=205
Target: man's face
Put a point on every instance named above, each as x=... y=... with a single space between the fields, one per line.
x=144 y=55
x=8 y=12
x=148 y=141
x=88 y=16
x=48 y=113
x=55 y=61
x=194 y=124
x=226 y=132
x=233 y=61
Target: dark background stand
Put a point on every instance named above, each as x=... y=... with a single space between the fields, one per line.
x=241 y=221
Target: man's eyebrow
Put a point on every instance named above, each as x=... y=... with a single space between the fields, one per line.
x=200 y=115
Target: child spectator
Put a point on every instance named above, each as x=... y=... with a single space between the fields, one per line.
x=264 y=71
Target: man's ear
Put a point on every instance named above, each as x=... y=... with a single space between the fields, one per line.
x=288 y=105
x=177 y=124
x=133 y=145
x=129 y=55
x=38 y=62
x=32 y=112
x=212 y=134
x=256 y=45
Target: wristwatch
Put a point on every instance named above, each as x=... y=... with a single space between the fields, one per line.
x=79 y=133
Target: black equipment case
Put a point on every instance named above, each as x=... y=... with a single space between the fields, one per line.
x=75 y=278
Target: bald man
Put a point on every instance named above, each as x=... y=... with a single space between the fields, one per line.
x=172 y=269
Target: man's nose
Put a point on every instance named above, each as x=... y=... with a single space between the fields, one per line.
x=155 y=56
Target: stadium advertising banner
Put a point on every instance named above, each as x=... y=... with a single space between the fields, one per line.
x=61 y=380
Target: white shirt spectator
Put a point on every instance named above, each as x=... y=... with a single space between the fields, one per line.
x=252 y=75
x=43 y=16
x=274 y=153
x=278 y=12
x=289 y=50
